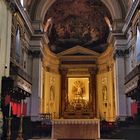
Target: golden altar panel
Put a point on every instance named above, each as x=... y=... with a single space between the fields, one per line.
x=75 y=129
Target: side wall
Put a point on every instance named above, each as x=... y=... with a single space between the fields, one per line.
x=105 y=87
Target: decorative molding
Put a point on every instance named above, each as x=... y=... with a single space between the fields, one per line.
x=78 y=72
x=78 y=50
x=35 y=53
x=132 y=84
x=11 y=5
x=23 y=84
x=75 y=121
x=103 y=68
x=120 y=53
x=132 y=74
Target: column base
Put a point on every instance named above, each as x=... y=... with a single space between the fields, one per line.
x=19 y=136
x=35 y=118
x=122 y=118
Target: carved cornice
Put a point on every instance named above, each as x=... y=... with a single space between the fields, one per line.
x=17 y=71
x=130 y=14
x=51 y=69
x=24 y=15
x=132 y=74
x=120 y=53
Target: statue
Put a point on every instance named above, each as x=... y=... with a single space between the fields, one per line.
x=104 y=93
x=108 y=23
x=48 y=26
x=51 y=105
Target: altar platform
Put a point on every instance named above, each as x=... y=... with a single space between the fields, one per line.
x=76 y=129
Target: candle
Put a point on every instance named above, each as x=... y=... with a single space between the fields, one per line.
x=21 y=107
x=47 y=108
x=10 y=110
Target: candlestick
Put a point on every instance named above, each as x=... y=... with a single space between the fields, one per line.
x=19 y=137
x=47 y=108
x=10 y=110
x=22 y=107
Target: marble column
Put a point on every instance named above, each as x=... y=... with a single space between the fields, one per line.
x=127 y=70
x=36 y=85
x=121 y=105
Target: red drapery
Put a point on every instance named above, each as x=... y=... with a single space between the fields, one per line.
x=17 y=108
x=134 y=108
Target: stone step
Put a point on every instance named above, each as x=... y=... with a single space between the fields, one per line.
x=81 y=139
x=110 y=139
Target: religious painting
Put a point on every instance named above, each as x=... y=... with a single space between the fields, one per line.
x=78 y=93
x=78 y=22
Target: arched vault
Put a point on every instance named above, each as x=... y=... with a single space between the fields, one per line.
x=38 y=8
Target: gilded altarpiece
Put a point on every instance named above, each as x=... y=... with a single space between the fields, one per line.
x=78 y=94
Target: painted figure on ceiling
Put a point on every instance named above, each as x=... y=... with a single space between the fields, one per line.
x=87 y=26
x=48 y=26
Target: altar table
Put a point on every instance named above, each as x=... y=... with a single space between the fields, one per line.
x=76 y=129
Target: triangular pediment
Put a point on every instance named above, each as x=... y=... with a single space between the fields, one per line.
x=78 y=51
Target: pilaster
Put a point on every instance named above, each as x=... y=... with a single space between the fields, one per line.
x=36 y=85
x=37 y=43
x=92 y=93
x=120 y=53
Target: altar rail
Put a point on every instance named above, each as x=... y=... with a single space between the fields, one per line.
x=75 y=129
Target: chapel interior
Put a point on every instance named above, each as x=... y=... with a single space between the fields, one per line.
x=68 y=64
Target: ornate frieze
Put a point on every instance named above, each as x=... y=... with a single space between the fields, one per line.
x=23 y=84
x=75 y=121
x=105 y=68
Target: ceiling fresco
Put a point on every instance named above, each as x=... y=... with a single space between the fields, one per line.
x=77 y=22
